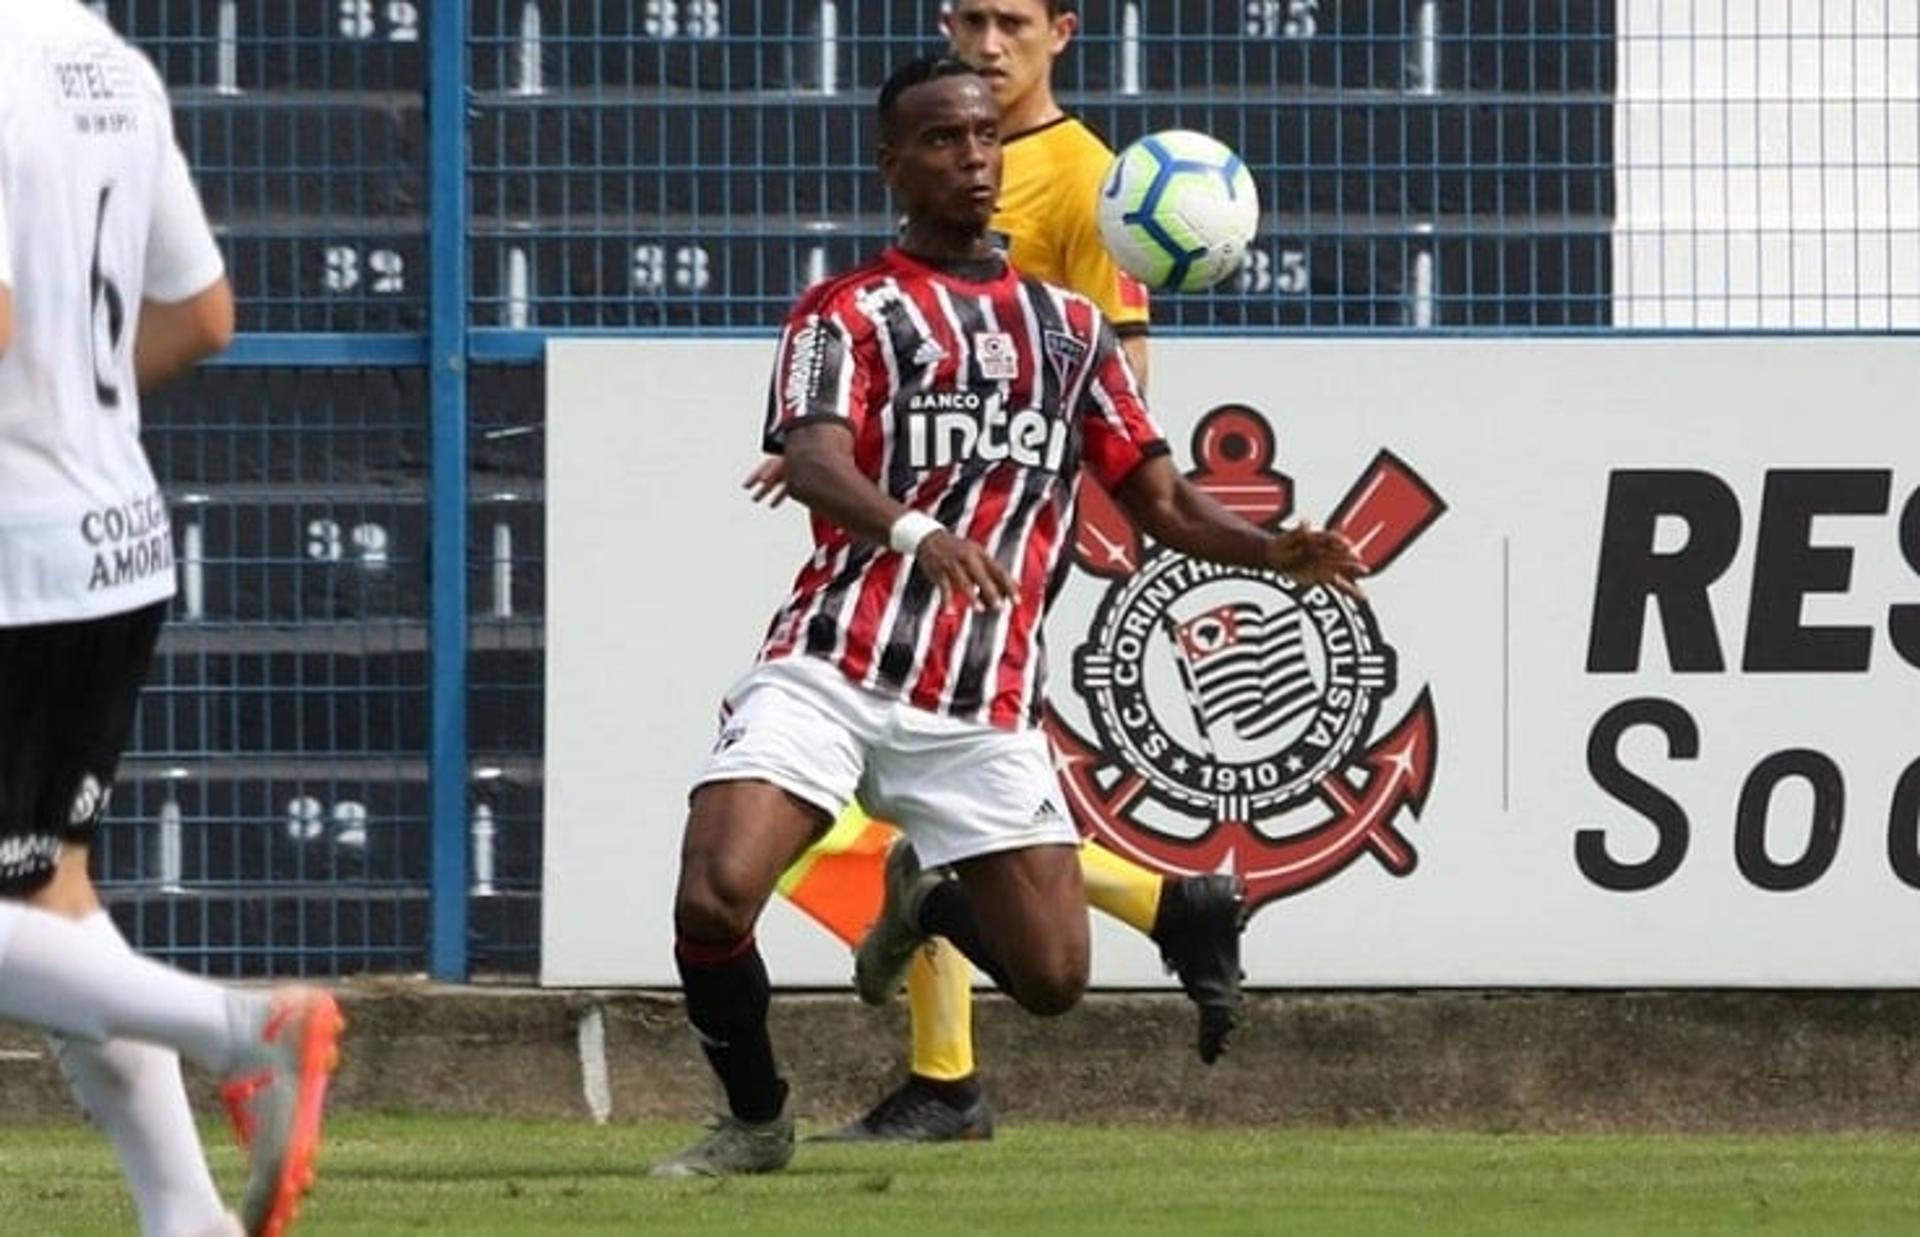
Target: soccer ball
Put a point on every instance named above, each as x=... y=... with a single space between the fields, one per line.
x=1177 y=210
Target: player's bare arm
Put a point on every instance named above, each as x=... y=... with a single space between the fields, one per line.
x=173 y=336
x=821 y=473
x=1179 y=514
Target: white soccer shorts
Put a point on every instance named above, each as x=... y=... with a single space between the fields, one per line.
x=957 y=789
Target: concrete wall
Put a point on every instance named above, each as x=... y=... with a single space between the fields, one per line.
x=1488 y=1061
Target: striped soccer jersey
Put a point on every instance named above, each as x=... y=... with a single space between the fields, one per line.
x=976 y=402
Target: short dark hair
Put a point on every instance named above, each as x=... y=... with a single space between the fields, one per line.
x=916 y=73
x=1057 y=7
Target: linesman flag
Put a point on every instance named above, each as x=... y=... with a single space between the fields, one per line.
x=841 y=880
x=1245 y=667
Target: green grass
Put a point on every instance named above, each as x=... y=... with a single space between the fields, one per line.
x=392 y=1175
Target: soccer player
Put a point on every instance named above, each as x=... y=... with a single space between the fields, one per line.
x=935 y=408
x=1053 y=167
x=110 y=281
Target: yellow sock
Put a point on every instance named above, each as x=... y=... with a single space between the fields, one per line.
x=1121 y=888
x=940 y=999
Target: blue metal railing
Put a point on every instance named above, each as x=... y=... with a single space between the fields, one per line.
x=447 y=384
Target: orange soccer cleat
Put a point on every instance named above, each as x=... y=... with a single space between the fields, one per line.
x=277 y=1100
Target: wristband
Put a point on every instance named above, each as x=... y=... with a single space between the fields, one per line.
x=910 y=530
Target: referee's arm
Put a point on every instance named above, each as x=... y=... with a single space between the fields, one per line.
x=1135 y=346
x=1089 y=268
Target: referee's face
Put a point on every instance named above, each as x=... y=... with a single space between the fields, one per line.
x=943 y=156
x=1012 y=42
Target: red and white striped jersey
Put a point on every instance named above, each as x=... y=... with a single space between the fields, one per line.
x=976 y=402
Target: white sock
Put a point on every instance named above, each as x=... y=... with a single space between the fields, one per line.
x=134 y=1094
x=58 y=976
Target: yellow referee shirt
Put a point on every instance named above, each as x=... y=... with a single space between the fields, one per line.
x=1048 y=187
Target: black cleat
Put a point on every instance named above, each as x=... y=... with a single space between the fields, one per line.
x=1198 y=931
x=881 y=958
x=732 y=1147
x=912 y=1113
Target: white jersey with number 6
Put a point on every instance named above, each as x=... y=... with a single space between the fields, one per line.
x=97 y=213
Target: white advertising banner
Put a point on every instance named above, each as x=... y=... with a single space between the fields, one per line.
x=1633 y=699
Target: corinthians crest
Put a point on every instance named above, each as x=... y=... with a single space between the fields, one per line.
x=1235 y=716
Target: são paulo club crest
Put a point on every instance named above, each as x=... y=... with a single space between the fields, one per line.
x=1233 y=718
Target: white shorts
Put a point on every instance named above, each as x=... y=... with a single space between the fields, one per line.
x=957 y=789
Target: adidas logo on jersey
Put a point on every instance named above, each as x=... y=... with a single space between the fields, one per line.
x=876 y=300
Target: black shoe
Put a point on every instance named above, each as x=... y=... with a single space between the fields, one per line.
x=1198 y=931
x=913 y=1113
x=881 y=958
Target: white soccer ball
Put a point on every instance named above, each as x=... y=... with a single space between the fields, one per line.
x=1177 y=210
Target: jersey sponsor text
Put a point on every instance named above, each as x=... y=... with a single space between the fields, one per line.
x=975 y=401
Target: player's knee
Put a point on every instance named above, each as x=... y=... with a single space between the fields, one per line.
x=715 y=906
x=1052 y=994
x=704 y=915
x=1054 y=983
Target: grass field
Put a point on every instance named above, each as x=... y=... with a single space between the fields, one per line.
x=406 y=1175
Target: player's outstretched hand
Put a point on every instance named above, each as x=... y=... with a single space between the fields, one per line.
x=1317 y=556
x=768 y=481
x=965 y=572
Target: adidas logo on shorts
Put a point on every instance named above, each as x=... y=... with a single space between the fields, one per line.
x=1047 y=812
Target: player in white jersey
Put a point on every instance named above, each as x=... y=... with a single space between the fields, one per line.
x=110 y=281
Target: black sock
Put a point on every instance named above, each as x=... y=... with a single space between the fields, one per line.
x=727 y=997
x=955 y=1093
x=946 y=912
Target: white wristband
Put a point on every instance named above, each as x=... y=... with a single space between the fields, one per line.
x=910 y=530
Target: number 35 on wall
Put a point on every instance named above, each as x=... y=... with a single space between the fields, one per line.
x=1283 y=19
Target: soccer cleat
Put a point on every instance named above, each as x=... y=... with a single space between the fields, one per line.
x=912 y=1113
x=880 y=960
x=733 y=1147
x=1198 y=930
x=277 y=1099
